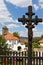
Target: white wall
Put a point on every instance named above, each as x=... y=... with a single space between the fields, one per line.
x=13 y=44
x=22 y=46
x=41 y=44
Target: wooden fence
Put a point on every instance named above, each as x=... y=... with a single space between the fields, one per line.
x=20 y=58
x=37 y=59
x=14 y=58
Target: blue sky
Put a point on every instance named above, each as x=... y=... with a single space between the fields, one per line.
x=11 y=10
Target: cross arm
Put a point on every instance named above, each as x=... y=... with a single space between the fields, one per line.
x=36 y=20
x=23 y=19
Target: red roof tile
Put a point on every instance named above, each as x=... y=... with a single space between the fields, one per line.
x=10 y=36
x=40 y=41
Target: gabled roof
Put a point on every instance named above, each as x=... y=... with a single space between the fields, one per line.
x=40 y=41
x=10 y=36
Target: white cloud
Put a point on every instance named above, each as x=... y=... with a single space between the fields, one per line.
x=35 y=29
x=4 y=13
x=41 y=3
x=40 y=0
x=24 y=33
x=12 y=26
x=37 y=34
x=16 y=21
x=35 y=6
x=21 y=3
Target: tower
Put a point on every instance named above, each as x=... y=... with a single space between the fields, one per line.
x=4 y=30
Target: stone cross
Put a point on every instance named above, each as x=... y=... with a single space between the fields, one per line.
x=30 y=22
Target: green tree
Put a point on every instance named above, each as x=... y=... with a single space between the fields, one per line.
x=36 y=39
x=16 y=34
x=41 y=36
x=3 y=45
x=35 y=45
x=2 y=40
x=35 y=42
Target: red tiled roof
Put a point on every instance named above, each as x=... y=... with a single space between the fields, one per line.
x=40 y=41
x=10 y=36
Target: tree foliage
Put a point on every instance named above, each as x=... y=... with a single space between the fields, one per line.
x=2 y=40
x=16 y=34
x=41 y=36
x=36 y=39
x=3 y=45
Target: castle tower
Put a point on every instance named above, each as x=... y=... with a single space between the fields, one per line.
x=4 y=30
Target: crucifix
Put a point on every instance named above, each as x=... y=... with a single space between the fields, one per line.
x=30 y=24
